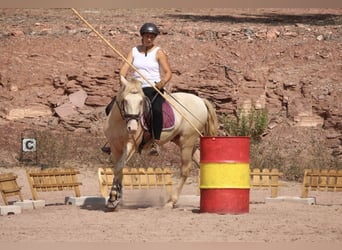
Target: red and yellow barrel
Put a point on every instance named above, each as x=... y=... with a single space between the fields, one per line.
x=224 y=174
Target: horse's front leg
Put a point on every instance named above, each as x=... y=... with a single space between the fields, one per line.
x=115 y=194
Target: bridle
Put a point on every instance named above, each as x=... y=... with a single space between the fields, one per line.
x=126 y=116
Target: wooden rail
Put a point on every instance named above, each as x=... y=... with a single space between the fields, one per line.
x=9 y=186
x=321 y=180
x=136 y=178
x=55 y=179
x=266 y=179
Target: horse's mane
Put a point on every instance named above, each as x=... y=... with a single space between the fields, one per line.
x=133 y=86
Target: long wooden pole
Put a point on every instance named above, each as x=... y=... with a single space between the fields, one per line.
x=133 y=67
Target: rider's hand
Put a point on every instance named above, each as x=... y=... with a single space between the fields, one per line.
x=160 y=85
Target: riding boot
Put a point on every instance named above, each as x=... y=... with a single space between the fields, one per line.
x=155 y=148
x=106 y=149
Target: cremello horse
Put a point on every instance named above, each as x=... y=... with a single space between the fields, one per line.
x=124 y=131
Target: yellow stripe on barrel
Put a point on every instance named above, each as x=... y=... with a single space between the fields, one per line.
x=224 y=175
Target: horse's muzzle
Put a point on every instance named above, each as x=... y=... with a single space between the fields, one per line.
x=132 y=126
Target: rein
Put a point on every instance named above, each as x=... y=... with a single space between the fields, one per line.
x=127 y=118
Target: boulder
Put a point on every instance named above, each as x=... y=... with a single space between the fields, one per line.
x=32 y=111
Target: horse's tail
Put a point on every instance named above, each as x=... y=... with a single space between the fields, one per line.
x=211 y=126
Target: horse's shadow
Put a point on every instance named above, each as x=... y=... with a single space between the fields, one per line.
x=94 y=203
x=131 y=207
x=100 y=204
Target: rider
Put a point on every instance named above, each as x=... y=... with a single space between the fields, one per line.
x=148 y=59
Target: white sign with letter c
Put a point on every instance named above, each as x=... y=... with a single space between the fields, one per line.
x=29 y=145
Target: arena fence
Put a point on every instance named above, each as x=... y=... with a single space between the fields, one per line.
x=9 y=187
x=54 y=179
x=266 y=179
x=321 y=180
x=136 y=178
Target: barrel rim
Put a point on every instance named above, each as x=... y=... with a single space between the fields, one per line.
x=237 y=136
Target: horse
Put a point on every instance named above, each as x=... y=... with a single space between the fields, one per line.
x=124 y=131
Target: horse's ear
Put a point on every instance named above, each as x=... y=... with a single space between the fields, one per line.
x=123 y=81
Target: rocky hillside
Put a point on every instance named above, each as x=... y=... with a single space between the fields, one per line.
x=57 y=75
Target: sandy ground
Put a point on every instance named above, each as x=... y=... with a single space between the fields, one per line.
x=142 y=217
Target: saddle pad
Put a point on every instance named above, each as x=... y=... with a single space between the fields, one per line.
x=168 y=117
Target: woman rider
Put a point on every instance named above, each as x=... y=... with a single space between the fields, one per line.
x=149 y=60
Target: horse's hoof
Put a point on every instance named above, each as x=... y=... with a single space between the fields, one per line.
x=112 y=204
x=169 y=205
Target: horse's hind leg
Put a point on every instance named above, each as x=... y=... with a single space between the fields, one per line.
x=196 y=157
x=186 y=161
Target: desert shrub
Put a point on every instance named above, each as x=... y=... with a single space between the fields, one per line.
x=252 y=123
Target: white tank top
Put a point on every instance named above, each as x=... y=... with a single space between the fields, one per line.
x=148 y=66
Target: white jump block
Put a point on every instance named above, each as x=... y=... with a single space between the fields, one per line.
x=85 y=201
x=30 y=204
x=10 y=209
x=309 y=200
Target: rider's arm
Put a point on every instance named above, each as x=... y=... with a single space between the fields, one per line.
x=164 y=63
x=125 y=67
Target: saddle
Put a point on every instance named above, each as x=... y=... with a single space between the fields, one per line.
x=168 y=117
x=110 y=106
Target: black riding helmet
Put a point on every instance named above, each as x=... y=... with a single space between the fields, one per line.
x=149 y=28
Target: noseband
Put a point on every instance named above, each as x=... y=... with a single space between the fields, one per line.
x=125 y=116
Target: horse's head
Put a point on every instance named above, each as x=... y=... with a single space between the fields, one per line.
x=131 y=103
